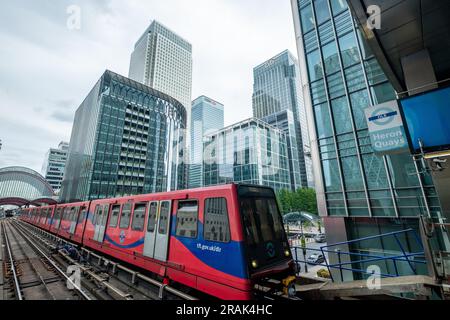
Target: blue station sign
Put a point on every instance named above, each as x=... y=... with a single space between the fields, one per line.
x=386 y=130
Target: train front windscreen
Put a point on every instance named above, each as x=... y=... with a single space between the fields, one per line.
x=265 y=237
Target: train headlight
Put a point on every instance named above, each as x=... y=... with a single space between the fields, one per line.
x=254 y=264
x=287 y=253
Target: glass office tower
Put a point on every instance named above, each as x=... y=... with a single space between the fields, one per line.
x=250 y=151
x=359 y=193
x=284 y=120
x=207 y=117
x=162 y=60
x=127 y=139
x=277 y=88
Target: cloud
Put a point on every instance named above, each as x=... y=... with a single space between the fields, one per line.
x=46 y=70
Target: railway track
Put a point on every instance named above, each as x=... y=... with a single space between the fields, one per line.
x=31 y=273
x=102 y=278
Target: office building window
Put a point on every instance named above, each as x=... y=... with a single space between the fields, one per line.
x=337 y=6
x=322 y=10
x=314 y=66
x=323 y=121
x=341 y=115
x=349 y=49
x=307 y=19
x=330 y=58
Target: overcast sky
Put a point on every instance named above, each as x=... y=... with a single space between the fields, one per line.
x=46 y=69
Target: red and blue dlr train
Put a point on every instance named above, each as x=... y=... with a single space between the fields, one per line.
x=222 y=240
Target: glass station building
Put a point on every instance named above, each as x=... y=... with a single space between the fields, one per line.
x=127 y=138
x=251 y=152
x=23 y=183
x=359 y=193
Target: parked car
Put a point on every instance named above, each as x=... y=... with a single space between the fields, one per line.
x=320 y=238
x=315 y=258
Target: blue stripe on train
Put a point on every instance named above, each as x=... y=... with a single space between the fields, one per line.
x=225 y=257
x=123 y=246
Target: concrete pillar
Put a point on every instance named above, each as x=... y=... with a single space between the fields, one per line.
x=336 y=231
x=419 y=72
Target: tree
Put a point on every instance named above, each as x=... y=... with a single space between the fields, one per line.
x=300 y=200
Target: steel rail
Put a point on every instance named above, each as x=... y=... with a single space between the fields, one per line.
x=32 y=265
x=13 y=268
x=77 y=288
x=162 y=287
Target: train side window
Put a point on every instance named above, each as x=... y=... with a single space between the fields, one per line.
x=125 y=216
x=47 y=216
x=217 y=226
x=96 y=214
x=82 y=215
x=63 y=213
x=164 y=214
x=187 y=217
x=104 y=215
x=138 y=217
x=77 y=214
x=152 y=213
x=57 y=214
x=73 y=211
x=114 y=216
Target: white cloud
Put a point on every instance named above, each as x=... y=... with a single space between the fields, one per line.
x=47 y=70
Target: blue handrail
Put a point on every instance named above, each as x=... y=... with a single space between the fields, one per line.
x=410 y=258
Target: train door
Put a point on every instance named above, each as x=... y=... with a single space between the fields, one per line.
x=157 y=233
x=101 y=217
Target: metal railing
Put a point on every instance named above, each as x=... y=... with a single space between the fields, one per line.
x=346 y=260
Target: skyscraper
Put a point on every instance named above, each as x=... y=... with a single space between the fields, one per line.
x=250 y=151
x=284 y=120
x=54 y=165
x=162 y=60
x=127 y=139
x=276 y=89
x=207 y=117
x=359 y=193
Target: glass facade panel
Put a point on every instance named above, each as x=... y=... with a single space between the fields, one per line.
x=324 y=128
x=360 y=101
x=331 y=175
x=322 y=10
x=352 y=174
x=349 y=50
x=307 y=19
x=383 y=93
x=314 y=66
x=337 y=6
x=330 y=58
x=341 y=115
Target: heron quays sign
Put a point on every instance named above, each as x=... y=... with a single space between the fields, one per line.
x=386 y=128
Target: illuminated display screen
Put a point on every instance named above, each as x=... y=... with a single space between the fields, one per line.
x=427 y=119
